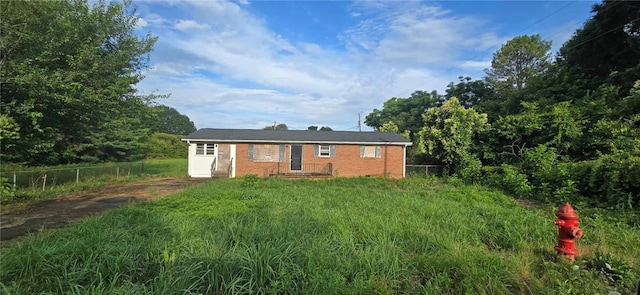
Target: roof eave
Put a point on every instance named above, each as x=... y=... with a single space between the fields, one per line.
x=298 y=141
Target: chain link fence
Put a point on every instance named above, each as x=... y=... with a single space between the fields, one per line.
x=49 y=178
x=425 y=170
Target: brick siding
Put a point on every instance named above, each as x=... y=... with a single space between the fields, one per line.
x=347 y=161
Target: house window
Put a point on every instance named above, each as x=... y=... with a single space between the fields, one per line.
x=324 y=151
x=200 y=149
x=211 y=149
x=208 y=149
x=370 y=151
x=266 y=153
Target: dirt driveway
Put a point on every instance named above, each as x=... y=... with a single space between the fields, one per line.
x=18 y=219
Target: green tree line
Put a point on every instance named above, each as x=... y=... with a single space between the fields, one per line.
x=68 y=74
x=563 y=127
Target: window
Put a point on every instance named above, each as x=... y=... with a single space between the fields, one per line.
x=265 y=152
x=200 y=149
x=211 y=149
x=208 y=149
x=324 y=151
x=370 y=151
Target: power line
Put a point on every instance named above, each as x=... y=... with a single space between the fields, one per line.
x=522 y=30
x=607 y=32
x=576 y=23
x=596 y=37
x=547 y=16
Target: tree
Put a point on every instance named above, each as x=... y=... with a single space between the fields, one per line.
x=477 y=94
x=315 y=128
x=392 y=127
x=520 y=59
x=608 y=42
x=280 y=126
x=169 y=120
x=406 y=113
x=68 y=70
x=449 y=130
x=469 y=92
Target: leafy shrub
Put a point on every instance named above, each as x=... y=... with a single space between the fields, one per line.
x=540 y=164
x=470 y=170
x=250 y=181
x=612 y=180
x=511 y=181
x=165 y=146
x=454 y=181
x=6 y=189
x=539 y=161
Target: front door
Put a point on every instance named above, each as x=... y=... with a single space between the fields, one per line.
x=296 y=157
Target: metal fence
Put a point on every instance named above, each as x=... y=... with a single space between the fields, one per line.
x=425 y=170
x=49 y=178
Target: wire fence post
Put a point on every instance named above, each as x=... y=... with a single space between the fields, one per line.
x=14 y=182
x=44 y=181
x=77 y=176
x=118 y=172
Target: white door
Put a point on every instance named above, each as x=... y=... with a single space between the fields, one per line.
x=202 y=159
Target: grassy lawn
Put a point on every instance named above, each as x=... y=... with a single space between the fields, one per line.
x=337 y=236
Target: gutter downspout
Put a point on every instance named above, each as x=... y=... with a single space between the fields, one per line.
x=404 y=161
x=188 y=158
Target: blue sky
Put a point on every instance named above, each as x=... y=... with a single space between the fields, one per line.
x=246 y=64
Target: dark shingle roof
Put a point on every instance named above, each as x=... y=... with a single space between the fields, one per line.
x=296 y=136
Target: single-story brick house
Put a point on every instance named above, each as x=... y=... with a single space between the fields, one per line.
x=237 y=152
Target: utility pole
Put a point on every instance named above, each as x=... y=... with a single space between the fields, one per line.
x=359 y=124
x=274 y=125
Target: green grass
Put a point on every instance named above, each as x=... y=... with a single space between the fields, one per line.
x=142 y=170
x=166 y=167
x=337 y=236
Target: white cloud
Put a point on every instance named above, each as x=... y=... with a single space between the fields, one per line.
x=185 y=25
x=226 y=68
x=141 y=23
x=475 y=64
x=418 y=35
x=153 y=19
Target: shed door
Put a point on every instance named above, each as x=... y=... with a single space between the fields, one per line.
x=296 y=157
x=203 y=160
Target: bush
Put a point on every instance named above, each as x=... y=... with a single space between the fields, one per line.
x=511 y=181
x=613 y=180
x=470 y=170
x=6 y=189
x=250 y=181
x=166 y=146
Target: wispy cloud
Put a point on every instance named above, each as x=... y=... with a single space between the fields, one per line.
x=186 y=25
x=225 y=67
x=416 y=34
x=141 y=23
x=474 y=64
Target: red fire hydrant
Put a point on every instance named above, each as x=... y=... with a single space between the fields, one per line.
x=568 y=231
